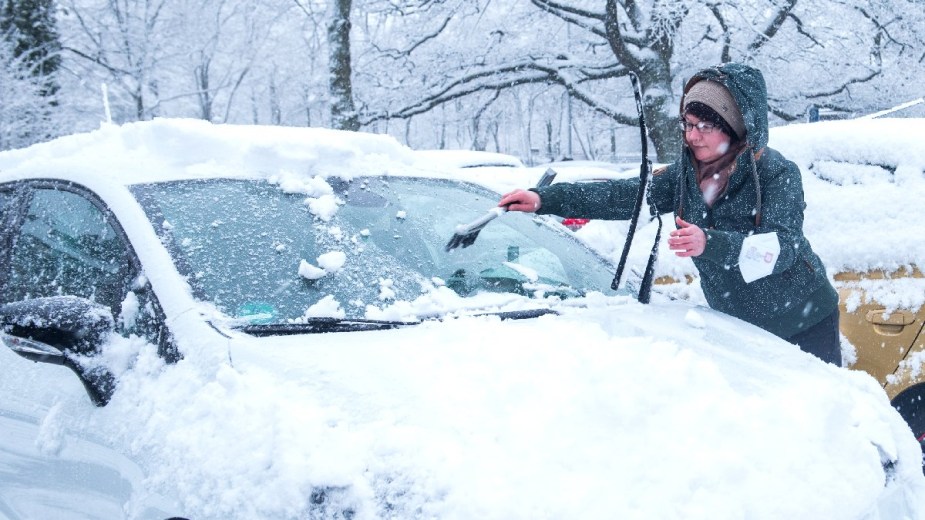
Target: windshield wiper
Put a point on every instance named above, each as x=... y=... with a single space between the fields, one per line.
x=320 y=325
x=519 y=315
x=327 y=324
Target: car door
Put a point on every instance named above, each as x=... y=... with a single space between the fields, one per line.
x=60 y=240
x=889 y=341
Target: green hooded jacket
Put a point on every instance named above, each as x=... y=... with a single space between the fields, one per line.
x=764 y=195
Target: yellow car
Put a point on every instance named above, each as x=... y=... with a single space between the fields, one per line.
x=864 y=180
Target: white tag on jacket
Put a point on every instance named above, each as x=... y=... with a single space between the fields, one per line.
x=758 y=255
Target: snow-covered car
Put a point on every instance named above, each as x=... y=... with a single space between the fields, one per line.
x=864 y=180
x=215 y=321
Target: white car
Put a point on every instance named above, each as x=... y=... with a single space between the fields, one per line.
x=218 y=322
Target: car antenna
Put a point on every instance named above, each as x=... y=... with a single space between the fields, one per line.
x=467 y=233
x=645 y=183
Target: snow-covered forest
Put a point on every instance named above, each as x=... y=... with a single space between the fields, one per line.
x=539 y=79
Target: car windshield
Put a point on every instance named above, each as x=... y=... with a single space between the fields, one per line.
x=268 y=255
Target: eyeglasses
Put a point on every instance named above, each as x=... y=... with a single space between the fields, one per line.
x=703 y=126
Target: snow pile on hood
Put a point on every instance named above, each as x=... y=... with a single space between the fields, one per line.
x=618 y=411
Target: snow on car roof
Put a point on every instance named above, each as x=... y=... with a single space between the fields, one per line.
x=169 y=149
x=470 y=158
x=873 y=141
x=863 y=182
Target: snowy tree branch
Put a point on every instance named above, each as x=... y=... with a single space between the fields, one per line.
x=773 y=26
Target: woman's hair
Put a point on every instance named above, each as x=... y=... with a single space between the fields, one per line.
x=705 y=113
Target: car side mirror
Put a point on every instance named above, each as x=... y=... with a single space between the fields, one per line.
x=59 y=330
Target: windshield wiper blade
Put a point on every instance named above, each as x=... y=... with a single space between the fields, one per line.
x=321 y=325
x=519 y=315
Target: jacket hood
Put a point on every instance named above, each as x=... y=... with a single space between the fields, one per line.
x=746 y=84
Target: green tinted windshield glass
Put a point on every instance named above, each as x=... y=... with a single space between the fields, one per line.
x=267 y=256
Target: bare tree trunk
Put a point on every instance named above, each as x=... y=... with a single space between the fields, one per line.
x=550 y=153
x=493 y=130
x=201 y=75
x=276 y=112
x=653 y=68
x=343 y=112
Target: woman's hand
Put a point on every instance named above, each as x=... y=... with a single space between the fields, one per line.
x=521 y=200
x=688 y=240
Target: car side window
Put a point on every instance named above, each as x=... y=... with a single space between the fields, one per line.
x=6 y=210
x=5 y=201
x=6 y=207
x=66 y=246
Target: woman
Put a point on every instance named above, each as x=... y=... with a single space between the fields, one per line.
x=738 y=209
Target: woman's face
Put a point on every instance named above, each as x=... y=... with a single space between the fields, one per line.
x=706 y=147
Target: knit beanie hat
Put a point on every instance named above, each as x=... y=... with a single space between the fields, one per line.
x=715 y=96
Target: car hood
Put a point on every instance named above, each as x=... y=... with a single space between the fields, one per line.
x=595 y=412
